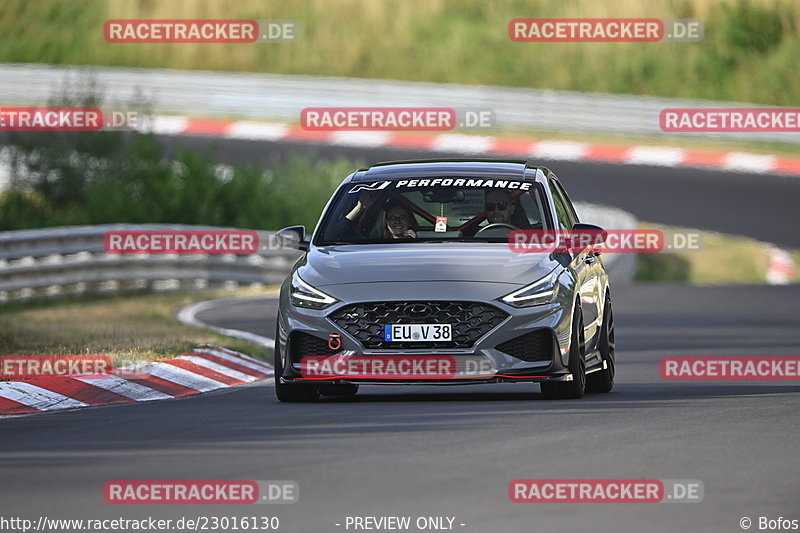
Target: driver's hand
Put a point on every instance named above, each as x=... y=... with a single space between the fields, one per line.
x=410 y=234
x=365 y=200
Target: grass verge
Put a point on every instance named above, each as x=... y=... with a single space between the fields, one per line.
x=723 y=259
x=748 y=52
x=128 y=329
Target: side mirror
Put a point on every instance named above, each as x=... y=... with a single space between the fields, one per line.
x=293 y=237
x=585 y=236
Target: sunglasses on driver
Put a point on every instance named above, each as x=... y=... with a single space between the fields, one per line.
x=499 y=206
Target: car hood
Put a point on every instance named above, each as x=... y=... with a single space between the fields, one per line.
x=446 y=261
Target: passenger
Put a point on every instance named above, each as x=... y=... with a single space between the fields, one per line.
x=365 y=199
x=345 y=229
x=400 y=223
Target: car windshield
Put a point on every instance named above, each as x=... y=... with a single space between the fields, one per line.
x=432 y=209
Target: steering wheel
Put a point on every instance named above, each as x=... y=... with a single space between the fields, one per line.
x=495 y=225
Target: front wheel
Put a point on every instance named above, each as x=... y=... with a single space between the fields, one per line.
x=603 y=381
x=564 y=390
x=290 y=392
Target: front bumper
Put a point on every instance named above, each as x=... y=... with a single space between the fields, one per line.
x=493 y=364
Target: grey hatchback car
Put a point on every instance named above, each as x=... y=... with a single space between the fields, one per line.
x=409 y=278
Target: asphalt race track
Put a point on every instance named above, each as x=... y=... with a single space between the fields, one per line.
x=452 y=451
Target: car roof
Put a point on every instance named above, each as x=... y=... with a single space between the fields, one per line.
x=496 y=168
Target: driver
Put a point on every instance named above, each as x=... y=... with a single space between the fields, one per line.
x=499 y=206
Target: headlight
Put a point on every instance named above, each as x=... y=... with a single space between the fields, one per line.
x=538 y=293
x=304 y=295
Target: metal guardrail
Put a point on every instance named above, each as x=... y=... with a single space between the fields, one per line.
x=272 y=96
x=72 y=260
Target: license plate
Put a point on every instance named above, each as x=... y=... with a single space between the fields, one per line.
x=417 y=332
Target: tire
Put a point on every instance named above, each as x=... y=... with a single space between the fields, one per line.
x=603 y=381
x=291 y=392
x=569 y=390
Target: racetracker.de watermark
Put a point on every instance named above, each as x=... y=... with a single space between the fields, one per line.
x=636 y=241
x=66 y=119
x=38 y=366
x=729 y=368
x=378 y=118
x=181 y=242
x=199 y=31
x=378 y=367
x=201 y=492
x=605 y=30
x=605 y=491
x=729 y=120
x=395 y=118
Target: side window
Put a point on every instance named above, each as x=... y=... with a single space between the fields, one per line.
x=562 y=213
x=531 y=208
x=570 y=208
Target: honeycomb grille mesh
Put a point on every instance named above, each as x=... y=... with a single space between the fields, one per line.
x=303 y=344
x=470 y=321
x=534 y=346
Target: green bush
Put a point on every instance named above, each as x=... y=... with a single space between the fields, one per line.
x=750 y=28
x=72 y=178
x=101 y=178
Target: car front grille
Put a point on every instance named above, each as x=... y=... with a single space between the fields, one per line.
x=534 y=346
x=470 y=321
